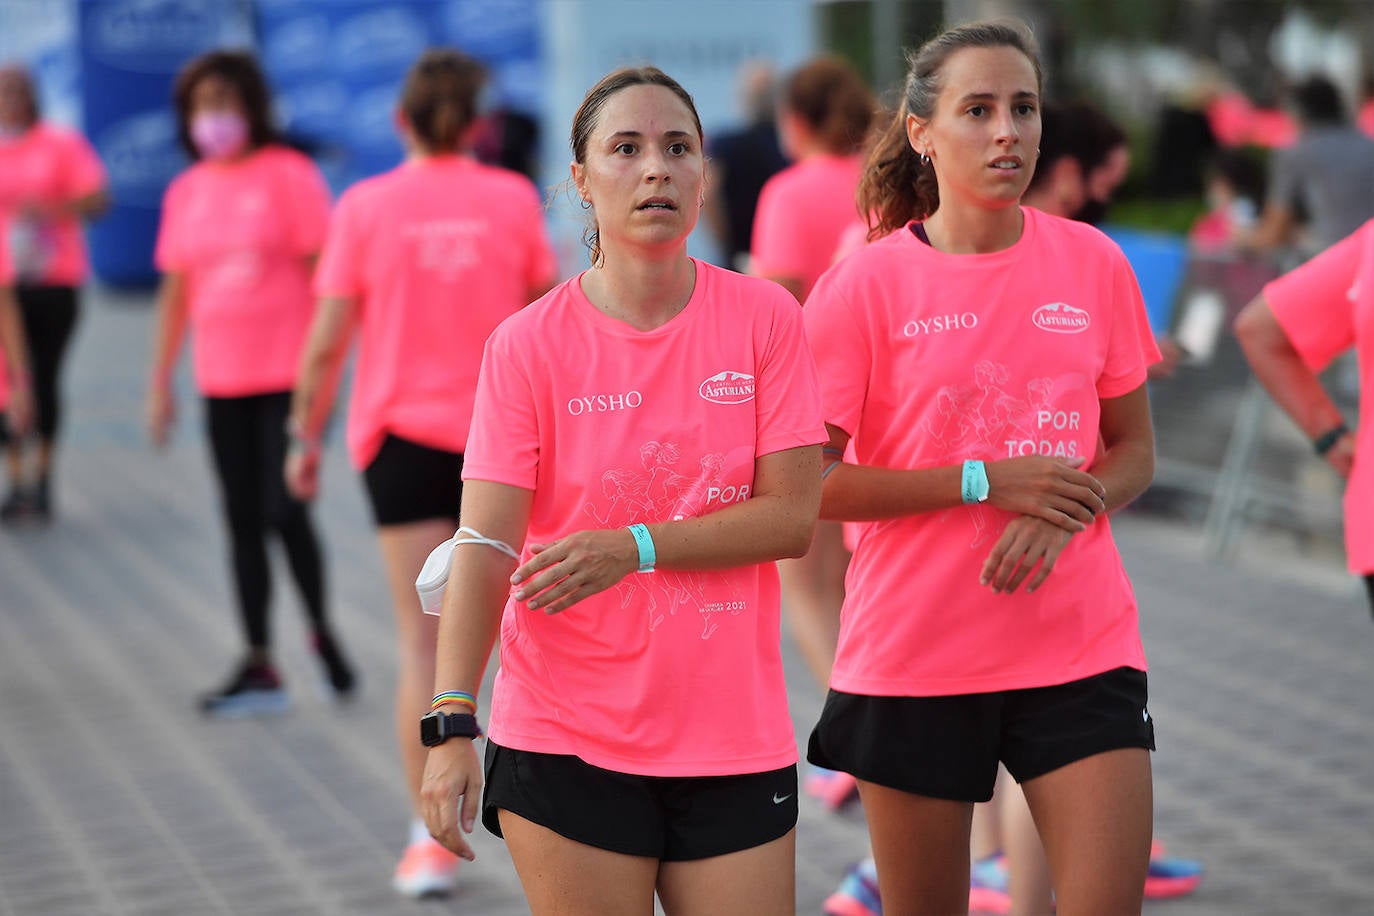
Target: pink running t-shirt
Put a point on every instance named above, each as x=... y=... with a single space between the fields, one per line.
x=928 y=359
x=437 y=252
x=242 y=234
x=47 y=166
x=670 y=673
x=802 y=212
x=1326 y=306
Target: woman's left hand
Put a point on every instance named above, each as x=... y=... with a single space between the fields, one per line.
x=1026 y=542
x=575 y=567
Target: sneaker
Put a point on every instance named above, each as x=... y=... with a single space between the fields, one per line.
x=426 y=869
x=987 y=885
x=831 y=787
x=857 y=894
x=17 y=504
x=336 y=667
x=1170 y=876
x=254 y=690
x=41 y=500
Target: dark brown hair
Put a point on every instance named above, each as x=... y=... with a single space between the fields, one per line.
x=440 y=97
x=896 y=186
x=831 y=98
x=589 y=112
x=239 y=69
x=24 y=81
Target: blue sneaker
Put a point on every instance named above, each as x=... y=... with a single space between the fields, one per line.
x=987 y=886
x=1170 y=876
x=857 y=894
x=254 y=690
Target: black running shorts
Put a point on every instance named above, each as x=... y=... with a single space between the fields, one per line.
x=670 y=818
x=949 y=746
x=409 y=482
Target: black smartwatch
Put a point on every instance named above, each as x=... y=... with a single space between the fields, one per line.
x=437 y=727
x=1327 y=440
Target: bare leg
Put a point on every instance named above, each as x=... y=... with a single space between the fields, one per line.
x=561 y=876
x=921 y=847
x=1028 y=872
x=404 y=549
x=752 y=882
x=985 y=839
x=1095 y=817
x=812 y=592
x=14 y=461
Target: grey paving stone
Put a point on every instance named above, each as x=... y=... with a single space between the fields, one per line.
x=1261 y=679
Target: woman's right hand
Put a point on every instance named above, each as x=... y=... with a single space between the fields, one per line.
x=302 y=472
x=452 y=774
x=19 y=413
x=161 y=415
x=1048 y=488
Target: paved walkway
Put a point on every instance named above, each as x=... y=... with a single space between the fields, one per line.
x=115 y=798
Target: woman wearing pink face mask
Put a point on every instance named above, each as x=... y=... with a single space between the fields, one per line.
x=240 y=232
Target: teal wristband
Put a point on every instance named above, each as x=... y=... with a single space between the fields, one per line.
x=647 y=555
x=974 y=487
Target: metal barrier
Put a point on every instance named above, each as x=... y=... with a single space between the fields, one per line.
x=1222 y=445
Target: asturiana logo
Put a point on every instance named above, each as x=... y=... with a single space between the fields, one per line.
x=1061 y=318
x=728 y=388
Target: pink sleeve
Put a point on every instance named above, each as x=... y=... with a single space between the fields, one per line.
x=83 y=172
x=1131 y=347
x=842 y=353
x=309 y=207
x=787 y=390
x=339 y=270
x=503 y=441
x=777 y=236
x=167 y=255
x=542 y=267
x=1312 y=303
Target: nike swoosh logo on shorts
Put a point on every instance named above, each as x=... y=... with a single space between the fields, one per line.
x=779 y=801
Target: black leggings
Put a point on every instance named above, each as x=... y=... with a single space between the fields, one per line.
x=1369 y=587
x=49 y=315
x=248 y=439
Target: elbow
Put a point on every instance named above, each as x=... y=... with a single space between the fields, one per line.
x=1256 y=329
x=795 y=539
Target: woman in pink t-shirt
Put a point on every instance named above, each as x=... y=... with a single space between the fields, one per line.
x=423 y=262
x=1293 y=330
x=240 y=230
x=650 y=432
x=978 y=380
x=50 y=180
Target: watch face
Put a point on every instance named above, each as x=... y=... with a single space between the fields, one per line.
x=429 y=730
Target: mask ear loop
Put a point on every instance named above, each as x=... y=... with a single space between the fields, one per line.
x=429 y=585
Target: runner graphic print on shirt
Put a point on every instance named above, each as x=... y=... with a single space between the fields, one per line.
x=986 y=420
x=658 y=489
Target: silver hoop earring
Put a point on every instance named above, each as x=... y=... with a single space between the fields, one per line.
x=925 y=159
x=586 y=204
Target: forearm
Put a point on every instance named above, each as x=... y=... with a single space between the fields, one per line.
x=1282 y=372
x=758 y=530
x=471 y=617
x=169 y=329
x=1295 y=389
x=322 y=363
x=859 y=493
x=1125 y=470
